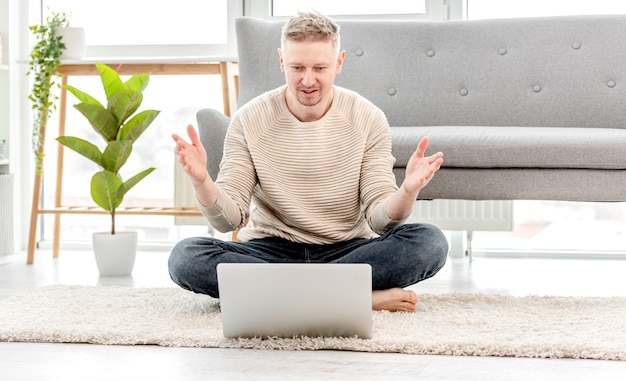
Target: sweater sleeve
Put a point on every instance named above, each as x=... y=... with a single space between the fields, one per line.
x=224 y=216
x=236 y=181
x=377 y=179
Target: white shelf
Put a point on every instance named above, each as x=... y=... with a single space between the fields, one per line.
x=4 y=161
x=4 y=67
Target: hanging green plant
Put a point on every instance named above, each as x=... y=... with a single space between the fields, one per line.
x=45 y=58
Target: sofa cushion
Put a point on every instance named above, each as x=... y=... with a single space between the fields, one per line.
x=516 y=147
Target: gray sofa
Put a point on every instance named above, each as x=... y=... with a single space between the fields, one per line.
x=523 y=109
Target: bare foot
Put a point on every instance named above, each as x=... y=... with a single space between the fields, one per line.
x=394 y=300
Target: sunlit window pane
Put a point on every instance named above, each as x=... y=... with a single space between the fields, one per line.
x=147 y=22
x=332 y=7
x=487 y=9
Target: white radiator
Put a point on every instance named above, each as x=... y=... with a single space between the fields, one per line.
x=462 y=218
x=470 y=215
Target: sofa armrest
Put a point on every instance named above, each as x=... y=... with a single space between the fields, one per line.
x=212 y=127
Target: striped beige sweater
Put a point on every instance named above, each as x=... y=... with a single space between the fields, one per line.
x=318 y=182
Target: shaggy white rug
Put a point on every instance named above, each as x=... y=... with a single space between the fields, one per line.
x=453 y=324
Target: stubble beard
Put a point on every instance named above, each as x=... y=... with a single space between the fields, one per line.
x=309 y=104
x=303 y=102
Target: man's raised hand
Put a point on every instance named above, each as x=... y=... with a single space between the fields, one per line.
x=420 y=169
x=192 y=156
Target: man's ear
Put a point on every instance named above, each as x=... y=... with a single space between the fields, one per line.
x=340 y=58
x=280 y=58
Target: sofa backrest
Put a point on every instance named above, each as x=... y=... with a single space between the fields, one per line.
x=558 y=71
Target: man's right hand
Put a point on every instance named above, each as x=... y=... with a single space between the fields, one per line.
x=193 y=159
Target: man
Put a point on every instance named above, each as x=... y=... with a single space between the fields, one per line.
x=310 y=163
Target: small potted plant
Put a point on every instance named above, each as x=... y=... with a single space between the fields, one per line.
x=120 y=125
x=45 y=58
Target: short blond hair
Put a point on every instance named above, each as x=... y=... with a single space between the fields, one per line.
x=310 y=26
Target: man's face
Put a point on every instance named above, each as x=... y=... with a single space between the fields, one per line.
x=310 y=69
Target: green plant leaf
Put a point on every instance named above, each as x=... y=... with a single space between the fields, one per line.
x=137 y=82
x=82 y=96
x=115 y=155
x=136 y=126
x=82 y=147
x=107 y=190
x=124 y=103
x=110 y=80
x=128 y=184
x=101 y=119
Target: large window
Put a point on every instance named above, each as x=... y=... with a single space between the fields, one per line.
x=147 y=28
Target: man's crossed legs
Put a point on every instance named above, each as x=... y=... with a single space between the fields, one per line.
x=401 y=257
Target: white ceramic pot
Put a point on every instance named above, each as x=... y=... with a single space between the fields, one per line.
x=115 y=253
x=74 y=40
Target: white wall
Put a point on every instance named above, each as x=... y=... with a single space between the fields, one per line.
x=14 y=123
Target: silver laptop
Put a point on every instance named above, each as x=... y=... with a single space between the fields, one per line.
x=287 y=300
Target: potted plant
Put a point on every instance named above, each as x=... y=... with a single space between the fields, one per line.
x=120 y=125
x=55 y=40
x=45 y=58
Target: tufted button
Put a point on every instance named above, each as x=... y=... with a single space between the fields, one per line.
x=391 y=91
x=576 y=45
x=537 y=88
x=430 y=53
x=611 y=84
x=359 y=52
x=463 y=92
x=502 y=51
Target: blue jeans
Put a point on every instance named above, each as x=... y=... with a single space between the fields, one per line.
x=401 y=257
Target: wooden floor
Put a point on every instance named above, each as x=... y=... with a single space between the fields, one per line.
x=519 y=277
